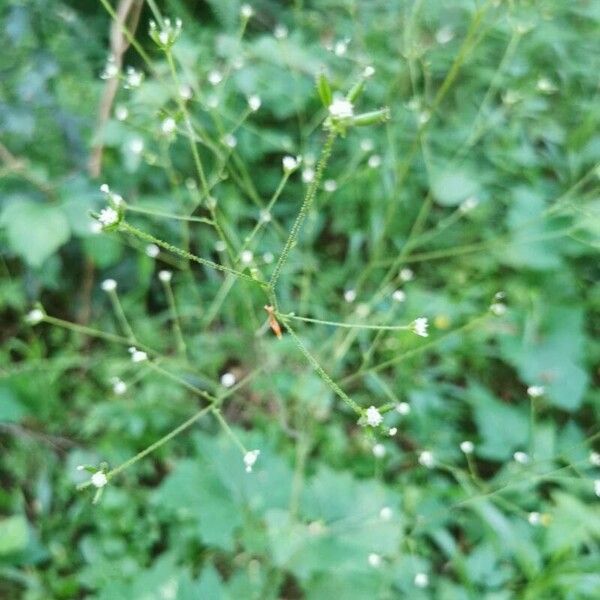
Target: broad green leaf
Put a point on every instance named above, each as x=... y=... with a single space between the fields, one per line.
x=35 y=230
x=13 y=535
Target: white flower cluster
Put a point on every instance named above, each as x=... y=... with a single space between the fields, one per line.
x=290 y=163
x=167 y=34
x=341 y=109
x=112 y=214
x=137 y=355
x=419 y=326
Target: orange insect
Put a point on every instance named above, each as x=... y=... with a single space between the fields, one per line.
x=273 y=322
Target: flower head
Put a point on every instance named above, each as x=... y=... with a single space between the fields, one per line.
x=426 y=459
x=374 y=560
x=34 y=316
x=374 y=418
x=341 y=109
x=246 y=11
x=152 y=250
x=108 y=216
x=368 y=71
x=406 y=274
x=137 y=355
x=467 y=447
x=290 y=163
x=521 y=457
x=168 y=126
x=247 y=257
x=399 y=296
x=215 y=77
x=119 y=386
x=280 y=32
x=350 y=295
x=133 y=78
x=99 y=479
x=421 y=580
x=167 y=34
x=109 y=285
x=594 y=459
x=403 y=408
x=385 y=514
x=185 y=92
x=419 y=326
x=228 y=379
x=535 y=391
x=250 y=459
x=374 y=161
x=254 y=103
x=165 y=276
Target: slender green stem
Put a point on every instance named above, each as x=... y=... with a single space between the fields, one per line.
x=161 y=442
x=284 y=317
x=188 y=255
x=110 y=337
x=306 y=205
x=165 y=215
x=223 y=423
x=174 y=317
x=186 y=384
x=121 y=316
x=321 y=372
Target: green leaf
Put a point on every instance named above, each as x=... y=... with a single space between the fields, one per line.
x=35 y=230
x=13 y=535
x=451 y=187
x=11 y=410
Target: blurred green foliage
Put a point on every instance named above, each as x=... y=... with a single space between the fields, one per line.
x=496 y=101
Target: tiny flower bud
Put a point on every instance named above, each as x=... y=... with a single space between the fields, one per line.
x=165 y=276
x=399 y=296
x=421 y=580
x=34 y=316
x=137 y=355
x=426 y=459
x=350 y=296
x=385 y=514
x=374 y=560
x=521 y=457
x=152 y=250
x=109 y=285
x=228 y=379
x=254 y=103
x=535 y=391
x=467 y=447
x=419 y=326
x=403 y=408
x=99 y=479
x=374 y=418
x=379 y=451
x=290 y=163
x=250 y=459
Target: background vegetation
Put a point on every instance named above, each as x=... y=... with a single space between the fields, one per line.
x=493 y=103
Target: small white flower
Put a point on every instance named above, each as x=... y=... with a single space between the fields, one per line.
x=119 y=386
x=268 y=258
x=136 y=145
x=330 y=185
x=246 y=11
x=220 y=246
x=280 y=32
x=230 y=140
x=379 y=451
x=535 y=391
x=421 y=580
x=165 y=276
x=424 y=116
x=468 y=205
x=228 y=379
x=168 y=126
x=594 y=459
x=99 y=479
x=133 y=79
x=350 y=295
x=95 y=227
x=163 y=36
x=366 y=145
x=254 y=103
x=467 y=447
x=137 y=355
x=215 y=77
x=368 y=72
x=290 y=163
x=152 y=250
x=374 y=560
x=546 y=86
x=264 y=216
x=392 y=431
x=498 y=308
x=340 y=48
x=406 y=274
x=121 y=112
x=399 y=296
x=534 y=518
x=168 y=34
x=108 y=216
x=341 y=108
x=185 y=92
x=403 y=408
x=250 y=459
x=597 y=487
x=374 y=418
x=521 y=457
x=426 y=459
x=110 y=68
x=374 y=161
x=246 y=257
x=444 y=35
x=34 y=316
x=109 y=285
x=308 y=175
x=419 y=326
x=385 y=514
